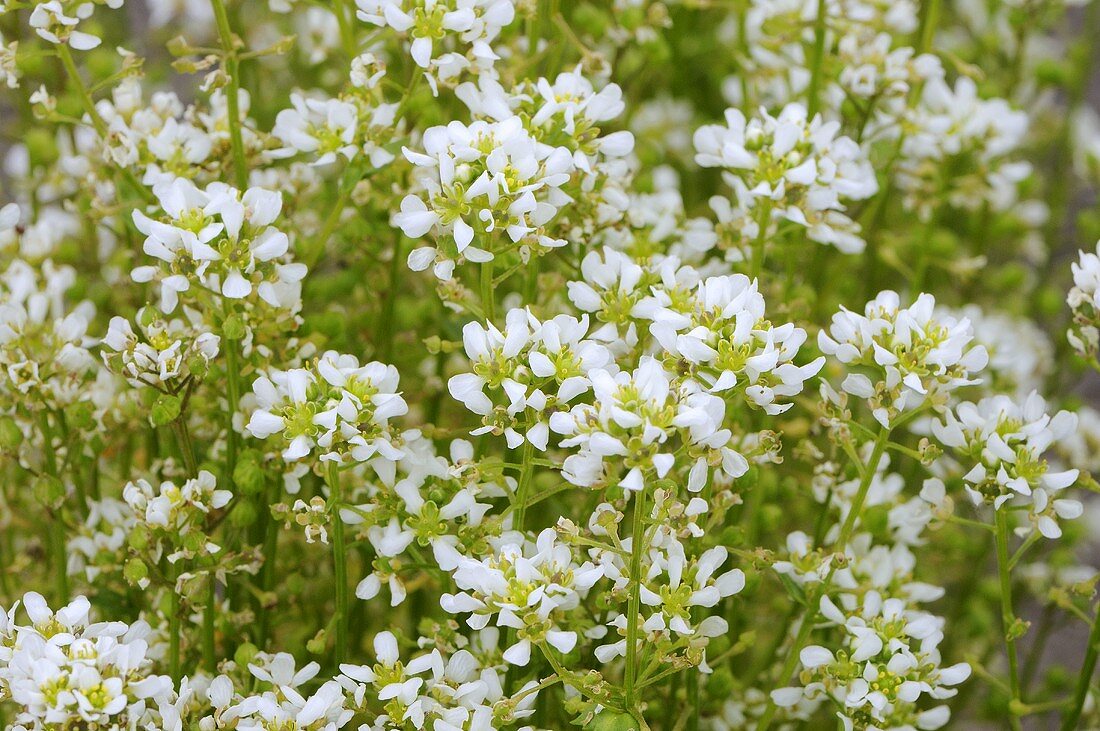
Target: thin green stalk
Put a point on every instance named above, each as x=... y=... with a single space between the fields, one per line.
x=526 y=475
x=1008 y=617
x=488 y=292
x=1084 y=679
x=813 y=92
x=339 y=563
x=313 y=255
x=760 y=241
x=929 y=20
x=86 y=101
x=386 y=324
x=174 y=629
x=271 y=549
x=58 y=552
x=57 y=525
x=183 y=439
x=232 y=70
x=344 y=18
x=233 y=395
x=98 y=123
x=814 y=601
x=209 y=657
x=637 y=546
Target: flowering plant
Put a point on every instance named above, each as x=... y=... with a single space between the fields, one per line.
x=472 y=365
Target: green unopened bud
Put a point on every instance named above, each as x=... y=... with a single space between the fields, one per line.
x=198 y=366
x=11 y=436
x=721 y=683
x=316 y=644
x=590 y=19
x=139 y=538
x=233 y=328
x=147 y=316
x=136 y=571
x=179 y=46
x=81 y=415
x=244 y=515
x=1051 y=72
x=245 y=654
x=166 y=409
x=609 y=720
x=194 y=542
x=248 y=475
x=1017 y=629
x=49 y=490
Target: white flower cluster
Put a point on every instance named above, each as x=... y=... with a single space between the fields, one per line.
x=889 y=661
x=442 y=365
x=56 y=21
x=358 y=124
x=176 y=515
x=64 y=671
x=525 y=587
x=221 y=240
x=163 y=350
x=1000 y=445
x=447 y=38
x=788 y=168
x=1084 y=301
x=901 y=358
x=338 y=407
x=478 y=179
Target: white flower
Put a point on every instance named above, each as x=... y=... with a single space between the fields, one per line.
x=791 y=168
x=914 y=356
x=221 y=240
x=445 y=37
x=482 y=181
x=526 y=585
x=1000 y=446
x=338 y=405
x=50 y=22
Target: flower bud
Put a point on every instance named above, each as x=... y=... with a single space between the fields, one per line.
x=245 y=514
x=245 y=654
x=248 y=475
x=234 y=328
x=11 y=436
x=136 y=572
x=49 y=490
x=609 y=720
x=166 y=409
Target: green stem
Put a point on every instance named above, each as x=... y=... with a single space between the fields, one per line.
x=813 y=92
x=183 y=439
x=488 y=292
x=86 y=101
x=1084 y=679
x=814 y=602
x=174 y=629
x=929 y=20
x=1008 y=617
x=344 y=18
x=209 y=658
x=759 y=243
x=271 y=549
x=637 y=546
x=57 y=525
x=524 y=487
x=233 y=395
x=386 y=326
x=98 y=123
x=232 y=70
x=313 y=255
x=339 y=562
